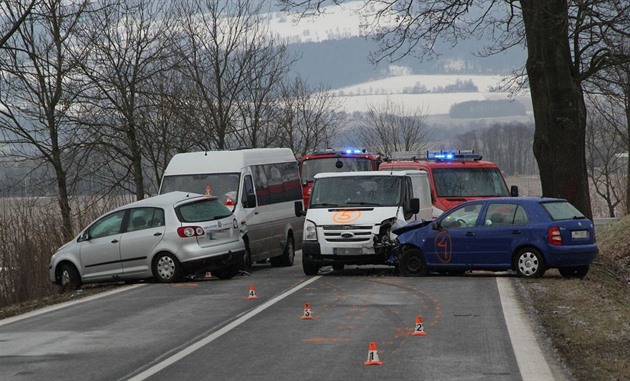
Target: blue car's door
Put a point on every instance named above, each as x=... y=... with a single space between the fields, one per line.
x=502 y=225
x=455 y=242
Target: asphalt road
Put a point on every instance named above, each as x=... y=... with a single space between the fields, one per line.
x=211 y=329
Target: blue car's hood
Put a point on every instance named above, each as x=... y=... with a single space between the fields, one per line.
x=411 y=226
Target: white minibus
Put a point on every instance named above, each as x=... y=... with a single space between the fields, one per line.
x=260 y=185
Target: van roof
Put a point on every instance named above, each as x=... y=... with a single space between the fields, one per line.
x=369 y=173
x=226 y=161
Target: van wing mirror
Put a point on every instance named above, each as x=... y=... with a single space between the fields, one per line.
x=415 y=205
x=299 y=210
x=514 y=191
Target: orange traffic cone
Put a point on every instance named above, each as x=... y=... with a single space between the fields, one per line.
x=307 y=312
x=252 y=292
x=373 y=356
x=419 y=330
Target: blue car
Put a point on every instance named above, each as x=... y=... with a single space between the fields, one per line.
x=524 y=234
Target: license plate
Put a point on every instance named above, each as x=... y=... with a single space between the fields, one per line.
x=579 y=234
x=346 y=251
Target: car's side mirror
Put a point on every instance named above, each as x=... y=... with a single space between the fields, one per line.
x=437 y=226
x=514 y=191
x=85 y=236
x=299 y=210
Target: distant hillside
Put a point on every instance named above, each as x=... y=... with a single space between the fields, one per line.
x=344 y=62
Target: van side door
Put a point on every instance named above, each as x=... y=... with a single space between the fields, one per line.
x=250 y=219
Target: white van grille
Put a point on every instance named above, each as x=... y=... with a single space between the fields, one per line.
x=347 y=233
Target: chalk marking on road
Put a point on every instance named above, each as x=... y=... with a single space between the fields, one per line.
x=215 y=335
x=67 y=304
x=530 y=359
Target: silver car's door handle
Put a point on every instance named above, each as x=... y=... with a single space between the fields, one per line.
x=157 y=234
x=115 y=241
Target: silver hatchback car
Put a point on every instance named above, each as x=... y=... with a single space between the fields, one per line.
x=165 y=237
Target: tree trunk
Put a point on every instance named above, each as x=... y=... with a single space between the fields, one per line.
x=558 y=103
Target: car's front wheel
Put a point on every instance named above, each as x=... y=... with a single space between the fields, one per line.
x=529 y=263
x=69 y=277
x=412 y=263
x=309 y=267
x=166 y=268
x=574 y=271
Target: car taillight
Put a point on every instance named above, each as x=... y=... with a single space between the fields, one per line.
x=190 y=231
x=228 y=201
x=553 y=236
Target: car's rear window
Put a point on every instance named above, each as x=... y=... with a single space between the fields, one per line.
x=202 y=210
x=562 y=210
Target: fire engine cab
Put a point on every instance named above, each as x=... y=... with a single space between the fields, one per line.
x=454 y=177
x=330 y=160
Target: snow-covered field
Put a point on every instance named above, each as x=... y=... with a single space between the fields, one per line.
x=362 y=96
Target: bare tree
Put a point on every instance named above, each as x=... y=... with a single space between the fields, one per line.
x=605 y=151
x=127 y=44
x=222 y=45
x=39 y=92
x=567 y=42
x=610 y=96
x=307 y=119
x=389 y=127
x=19 y=11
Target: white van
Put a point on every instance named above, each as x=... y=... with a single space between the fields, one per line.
x=351 y=216
x=260 y=185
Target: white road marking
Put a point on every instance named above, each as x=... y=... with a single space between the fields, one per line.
x=529 y=357
x=66 y=304
x=215 y=335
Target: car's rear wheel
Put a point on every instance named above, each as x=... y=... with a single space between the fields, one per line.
x=69 y=277
x=574 y=271
x=411 y=263
x=288 y=255
x=309 y=267
x=529 y=263
x=166 y=268
x=338 y=266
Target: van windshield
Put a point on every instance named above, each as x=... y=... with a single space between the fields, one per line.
x=221 y=184
x=469 y=182
x=356 y=191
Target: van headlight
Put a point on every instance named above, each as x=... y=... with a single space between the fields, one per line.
x=310 y=231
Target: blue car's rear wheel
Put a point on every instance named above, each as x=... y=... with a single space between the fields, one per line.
x=529 y=263
x=411 y=263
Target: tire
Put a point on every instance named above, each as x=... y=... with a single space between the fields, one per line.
x=574 y=271
x=309 y=267
x=288 y=255
x=69 y=277
x=247 y=260
x=529 y=263
x=227 y=272
x=166 y=268
x=338 y=266
x=411 y=263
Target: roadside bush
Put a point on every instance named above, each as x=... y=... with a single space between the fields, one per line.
x=30 y=235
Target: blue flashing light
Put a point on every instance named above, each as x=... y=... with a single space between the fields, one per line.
x=354 y=151
x=447 y=155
